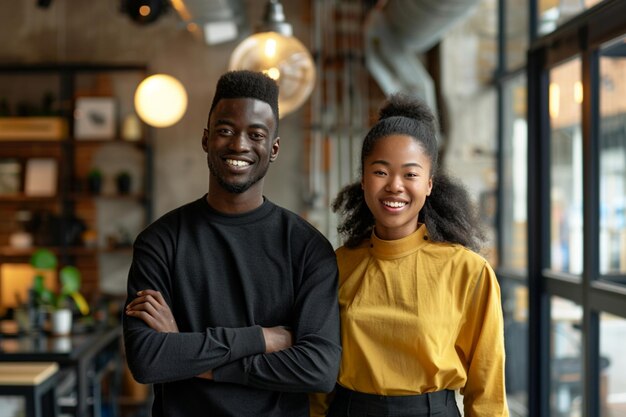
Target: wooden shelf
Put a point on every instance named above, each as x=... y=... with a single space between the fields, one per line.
x=11 y=252
x=73 y=210
x=100 y=142
x=31 y=142
x=23 y=198
x=87 y=196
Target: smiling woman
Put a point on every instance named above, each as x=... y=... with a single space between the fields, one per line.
x=420 y=312
x=396 y=182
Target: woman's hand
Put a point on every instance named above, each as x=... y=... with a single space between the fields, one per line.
x=150 y=307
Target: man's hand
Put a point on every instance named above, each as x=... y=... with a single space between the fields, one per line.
x=277 y=338
x=150 y=307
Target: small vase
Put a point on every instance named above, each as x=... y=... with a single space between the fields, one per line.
x=61 y=322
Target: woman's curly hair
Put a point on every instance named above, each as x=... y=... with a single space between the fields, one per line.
x=448 y=212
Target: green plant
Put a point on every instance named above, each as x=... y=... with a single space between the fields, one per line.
x=123 y=175
x=94 y=173
x=69 y=277
x=94 y=180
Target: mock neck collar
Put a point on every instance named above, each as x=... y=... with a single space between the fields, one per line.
x=393 y=249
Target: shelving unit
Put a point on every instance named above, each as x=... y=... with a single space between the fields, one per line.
x=113 y=218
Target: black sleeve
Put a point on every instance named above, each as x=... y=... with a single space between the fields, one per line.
x=155 y=357
x=312 y=363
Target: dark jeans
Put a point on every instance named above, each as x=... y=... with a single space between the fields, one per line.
x=355 y=404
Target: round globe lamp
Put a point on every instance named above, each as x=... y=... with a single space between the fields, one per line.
x=160 y=100
x=284 y=59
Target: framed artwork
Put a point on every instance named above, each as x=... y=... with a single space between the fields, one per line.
x=41 y=177
x=10 y=176
x=94 y=118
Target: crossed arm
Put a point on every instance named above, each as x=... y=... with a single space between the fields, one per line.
x=150 y=306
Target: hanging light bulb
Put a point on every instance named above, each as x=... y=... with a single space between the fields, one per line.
x=144 y=11
x=274 y=51
x=160 y=100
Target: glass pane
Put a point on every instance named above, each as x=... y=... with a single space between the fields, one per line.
x=566 y=359
x=566 y=167
x=514 y=222
x=516 y=33
x=613 y=159
x=612 y=366
x=553 y=13
x=515 y=309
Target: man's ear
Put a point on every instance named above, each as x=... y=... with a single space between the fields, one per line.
x=275 y=149
x=205 y=140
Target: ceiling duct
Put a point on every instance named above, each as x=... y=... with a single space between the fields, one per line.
x=397 y=31
x=215 y=21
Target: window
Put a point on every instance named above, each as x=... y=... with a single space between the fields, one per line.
x=612 y=366
x=612 y=165
x=566 y=358
x=565 y=98
x=514 y=175
x=553 y=13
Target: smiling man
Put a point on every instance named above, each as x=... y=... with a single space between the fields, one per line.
x=232 y=301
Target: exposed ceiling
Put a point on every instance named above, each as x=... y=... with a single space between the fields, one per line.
x=216 y=21
x=396 y=33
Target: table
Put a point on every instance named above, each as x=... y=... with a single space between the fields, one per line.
x=91 y=355
x=35 y=381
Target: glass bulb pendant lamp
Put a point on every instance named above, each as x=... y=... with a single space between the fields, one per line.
x=274 y=51
x=160 y=100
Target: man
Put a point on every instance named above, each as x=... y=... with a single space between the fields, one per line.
x=251 y=286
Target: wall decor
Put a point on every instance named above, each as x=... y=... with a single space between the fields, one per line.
x=41 y=177
x=95 y=118
x=10 y=176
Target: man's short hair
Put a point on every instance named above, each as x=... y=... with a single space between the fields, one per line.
x=247 y=84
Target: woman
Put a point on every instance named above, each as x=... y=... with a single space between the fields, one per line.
x=420 y=311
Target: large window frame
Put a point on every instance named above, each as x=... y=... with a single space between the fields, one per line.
x=580 y=36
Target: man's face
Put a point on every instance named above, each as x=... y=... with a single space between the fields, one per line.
x=240 y=144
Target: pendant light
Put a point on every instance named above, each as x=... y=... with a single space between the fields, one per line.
x=274 y=51
x=160 y=100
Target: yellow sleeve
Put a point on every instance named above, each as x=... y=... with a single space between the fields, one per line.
x=482 y=342
x=319 y=403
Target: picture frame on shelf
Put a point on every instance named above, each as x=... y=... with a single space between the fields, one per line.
x=10 y=176
x=41 y=177
x=95 y=118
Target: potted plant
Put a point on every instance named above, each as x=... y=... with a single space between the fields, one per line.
x=57 y=301
x=123 y=182
x=94 y=181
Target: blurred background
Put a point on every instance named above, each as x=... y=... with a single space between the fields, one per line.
x=530 y=100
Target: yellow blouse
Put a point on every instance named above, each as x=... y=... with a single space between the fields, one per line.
x=418 y=317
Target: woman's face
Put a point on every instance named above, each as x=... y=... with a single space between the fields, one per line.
x=396 y=180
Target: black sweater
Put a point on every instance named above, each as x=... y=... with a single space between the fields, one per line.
x=225 y=277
